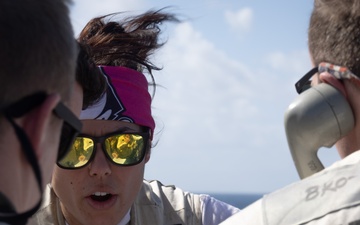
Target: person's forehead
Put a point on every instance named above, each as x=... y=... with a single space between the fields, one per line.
x=102 y=127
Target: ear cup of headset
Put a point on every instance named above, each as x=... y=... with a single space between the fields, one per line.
x=317 y=118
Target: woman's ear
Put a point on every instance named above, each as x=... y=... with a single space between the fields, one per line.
x=37 y=122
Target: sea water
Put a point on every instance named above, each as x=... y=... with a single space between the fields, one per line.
x=238 y=200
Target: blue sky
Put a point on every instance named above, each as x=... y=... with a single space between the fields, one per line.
x=228 y=77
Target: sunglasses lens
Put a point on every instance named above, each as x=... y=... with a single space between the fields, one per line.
x=70 y=129
x=79 y=155
x=68 y=135
x=125 y=149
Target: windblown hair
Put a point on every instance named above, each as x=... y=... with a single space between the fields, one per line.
x=38 y=49
x=89 y=77
x=334 y=33
x=127 y=42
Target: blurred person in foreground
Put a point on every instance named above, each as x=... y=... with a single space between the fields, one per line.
x=101 y=181
x=331 y=196
x=37 y=77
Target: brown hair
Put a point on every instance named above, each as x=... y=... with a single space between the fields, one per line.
x=38 y=50
x=334 y=33
x=89 y=77
x=128 y=41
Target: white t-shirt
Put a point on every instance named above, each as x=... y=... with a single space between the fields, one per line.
x=331 y=196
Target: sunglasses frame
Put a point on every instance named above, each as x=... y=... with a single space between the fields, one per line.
x=145 y=135
x=299 y=86
x=70 y=121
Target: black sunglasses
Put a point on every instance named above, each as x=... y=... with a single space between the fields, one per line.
x=305 y=83
x=339 y=72
x=71 y=125
x=121 y=148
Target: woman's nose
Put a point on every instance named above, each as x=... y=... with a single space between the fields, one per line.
x=100 y=165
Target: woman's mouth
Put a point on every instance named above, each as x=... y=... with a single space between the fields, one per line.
x=101 y=196
x=101 y=200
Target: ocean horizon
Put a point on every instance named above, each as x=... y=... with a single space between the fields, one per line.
x=240 y=200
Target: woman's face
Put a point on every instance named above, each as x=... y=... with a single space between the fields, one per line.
x=101 y=192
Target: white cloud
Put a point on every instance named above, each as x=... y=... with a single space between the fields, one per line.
x=241 y=19
x=217 y=110
x=204 y=82
x=295 y=61
x=84 y=10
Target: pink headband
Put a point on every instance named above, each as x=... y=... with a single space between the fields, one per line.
x=126 y=99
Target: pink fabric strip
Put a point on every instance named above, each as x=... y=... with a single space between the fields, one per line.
x=127 y=98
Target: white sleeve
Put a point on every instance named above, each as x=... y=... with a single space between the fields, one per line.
x=249 y=215
x=215 y=211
